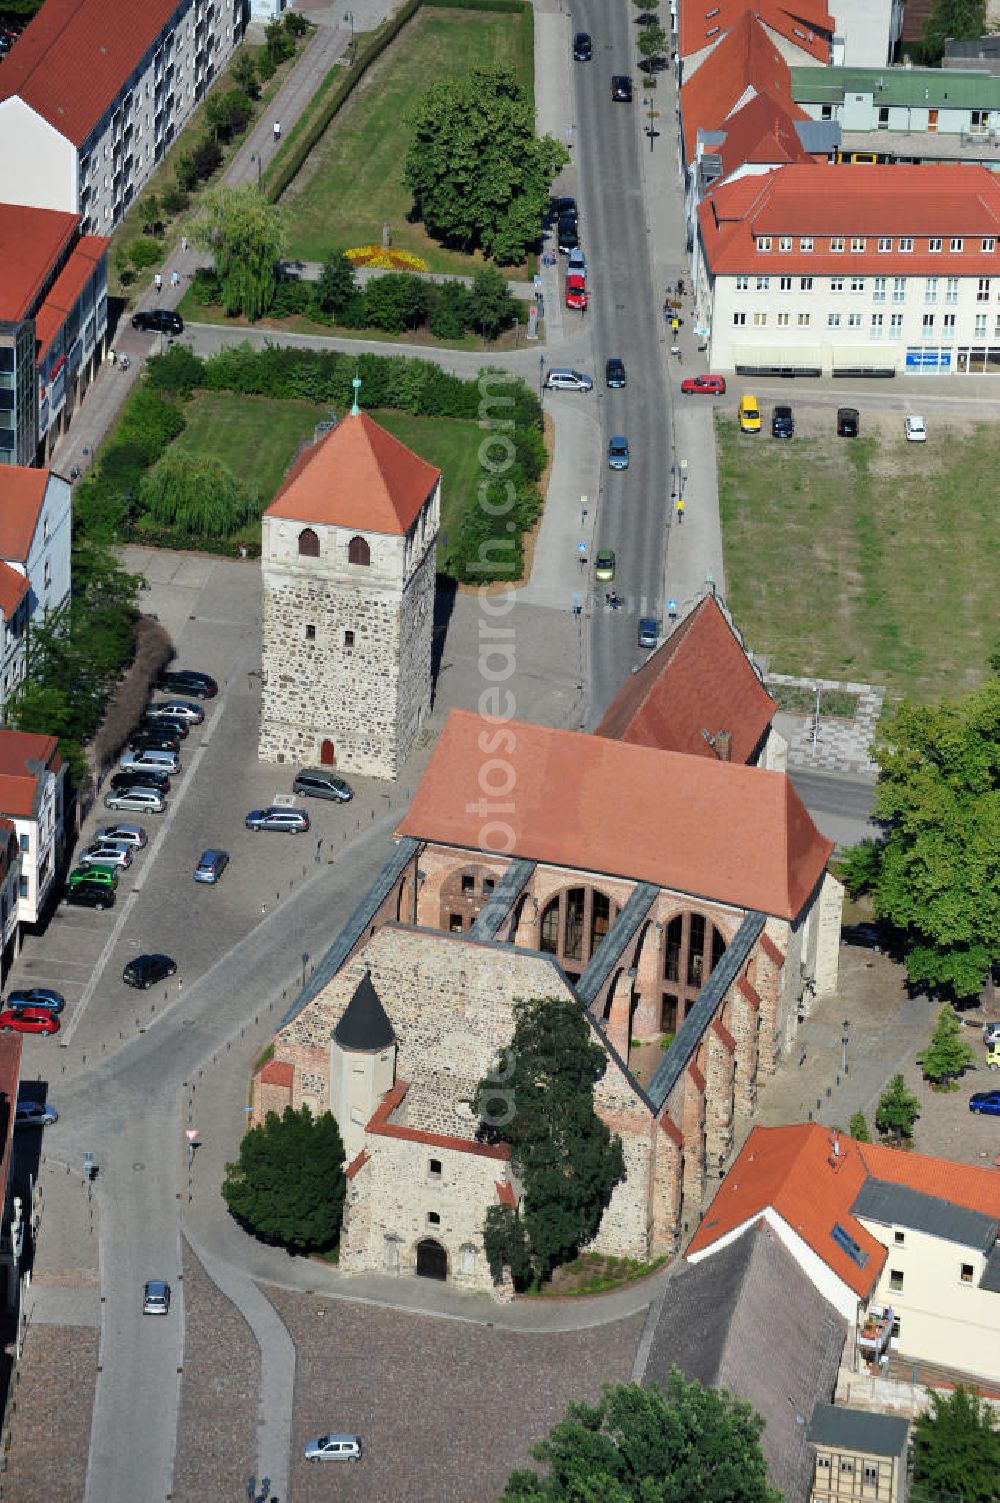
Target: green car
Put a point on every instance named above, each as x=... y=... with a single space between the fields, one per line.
x=604 y=564
x=100 y=876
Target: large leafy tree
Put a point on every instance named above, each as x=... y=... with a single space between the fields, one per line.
x=937 y=874
x=540 y=1099
x=288 y=1185
x=956 y=1449
x=198 y=494
x=480 y=177
x=644 y=1445
x=246 y=238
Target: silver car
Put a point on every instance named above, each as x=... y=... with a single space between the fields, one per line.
x=122 y=834
x=156 y=1298
x=334 y=1448
x=107 y=853
x=135 y=800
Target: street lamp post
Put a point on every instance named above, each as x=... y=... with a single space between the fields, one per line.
x=844 y=1042
x=541 y=375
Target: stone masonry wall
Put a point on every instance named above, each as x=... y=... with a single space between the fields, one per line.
x=416 y=628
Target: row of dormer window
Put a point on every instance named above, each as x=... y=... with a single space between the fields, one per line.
x=837 y=244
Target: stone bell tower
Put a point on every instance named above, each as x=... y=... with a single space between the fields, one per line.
x=348 y=567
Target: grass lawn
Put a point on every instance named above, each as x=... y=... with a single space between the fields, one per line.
x=257 y=438
x=871 y=559
x=354 y=181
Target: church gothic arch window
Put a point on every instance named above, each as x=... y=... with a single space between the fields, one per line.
x=358 y=552
x=692 y=948
x=573 y=925
x=308 y=543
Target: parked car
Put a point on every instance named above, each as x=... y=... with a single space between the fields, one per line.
x=915 y=428
x=583 y=48
x=90 y=895
x=334 y=1448
x=649 y=631
x=156 y=1298
x=28 y=1020
x=711 y=386
x=848 y=422
x=123 y=834
x=167 y=725
x=749 y=414
x=145 y=970
x=567 y=236
x=782 y=422
x=189 y=681
x=614 y=373
x=991 y=1033
x=158 y=321
x=37 y=996
x=577 y=261
x=604 y=565
x=34 y=1114
x=565 y=208
x=141 y=757
x=319 y=783
x=562 y=379
x=618 y=452
x=576 y=292
x=101 y=876
x=865 y=937
x=155 y=740
x=176 y=709
x=292 y=821
x=140 y=777
x=621 y=88
x=211 y=865
x=135 y=800
x=107 y=853
x=985 y=1102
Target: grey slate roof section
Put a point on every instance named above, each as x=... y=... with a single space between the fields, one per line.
x=991 y=1273
x=899 y=1205
x=675 y=1061
x=605 y=958
x=364 y=1026
x=502 y=899
x=857 y=1430
x=818 y=135
x=359 y=921
x=748 y=1319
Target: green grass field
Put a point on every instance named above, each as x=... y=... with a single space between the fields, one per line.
x=872 y=560
x=257 y=438
x=354 y=182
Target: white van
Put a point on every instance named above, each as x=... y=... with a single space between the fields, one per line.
x=153 y=757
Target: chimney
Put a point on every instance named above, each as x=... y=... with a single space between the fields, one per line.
x=724 y=745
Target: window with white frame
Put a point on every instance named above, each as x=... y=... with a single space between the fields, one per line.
x=833 y=320
x=935 y=245
x=759 y=320
x=981 y=325
x=763 y=284
x=854 y=320
x=931 y=290
x=804 y=320
x=785 y=243
x=806 y=244
x=784 y=284
x=899 y=289
x=948 y=322
x=896 y=323
x=857 y=284
x=876 y=325
x=836 y=284
x=951 y=290
x=805 y=284
x=906 y=244
x=742 y=284
x=836 y=244
x=996 y=328
x=739 y=320
x=763 y=242
x=858 y=243
x=878 y=290
x=782 y=320
x=885 y=242
x=983 y=290
x=927 y=325
x=989 y=244
x=956 y=243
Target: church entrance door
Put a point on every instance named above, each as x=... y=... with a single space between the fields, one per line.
x=432 y=1260
x=326 y=754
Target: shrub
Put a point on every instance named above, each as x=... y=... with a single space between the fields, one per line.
x=859 y=1128
x=279 y=42
x=448 y=316
x=244 y=73
x=207 y=156
x=291 y=296
x=336 y=287
x=206 y=286
x=178 y=371
x=186 y=172
x=174 y=200
x=145 y=253
x=490 y=304
x=198 y=494
x=149 y=420
x=395 y=302
x=897 y=1110
x=266 y=67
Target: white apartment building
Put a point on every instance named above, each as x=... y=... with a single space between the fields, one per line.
x=95 y=92
x=31 y=795
x=35 y=538
x=823 y=269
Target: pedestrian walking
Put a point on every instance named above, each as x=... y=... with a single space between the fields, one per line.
x=175 y=280
x=158 y=282
x=184 y=245
x=277 y=131
x=112 y=355
x=680 y=508
x=263 y=908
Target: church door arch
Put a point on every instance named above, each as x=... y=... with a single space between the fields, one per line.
x=327 y=754
x=432 y=1260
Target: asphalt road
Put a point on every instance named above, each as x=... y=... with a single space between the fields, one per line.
x=840 y=805
x=624 y=310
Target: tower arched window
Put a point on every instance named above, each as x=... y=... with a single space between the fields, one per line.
x=308 y=543
x=358 y=552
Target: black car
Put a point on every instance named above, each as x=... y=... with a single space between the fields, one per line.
x=583 y=47
x=848 y=422
x=566 y=236
x=565 y=208
x=189 y=681
x=141 y=777
x=154 y=740
x=614 y=373
x=866 y=937
x=782 y=423
x=163 y=724
x=89 y=895
x=621 y=88
x=158 y=321
x=145 y=970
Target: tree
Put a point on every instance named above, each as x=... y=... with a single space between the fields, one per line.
x=858 y=1128
x=288 y=1185
x=647 y=1445
x=480 y=177
x=246 y=236
x=957 y=1448
x=652 y=41
x=244 y=73
x=858 y=867
x=490 y=305
x=227 y=113
x=145 y=253
x=897 y=1110
x=337 y=285
x=152 y=214
x=563 y=1154
x=947 y=1055
x=937 y=872
x=952 y=18
x=199 y=495
x=395 y=302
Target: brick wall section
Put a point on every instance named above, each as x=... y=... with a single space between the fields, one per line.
x=719 y=1075
x=666 y=1189
x=691 y=1091
x=767 y=979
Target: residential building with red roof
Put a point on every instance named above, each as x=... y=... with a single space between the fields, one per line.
x=53 y=321
x=875 y=270
x=903 y=1245
x=699 y=693
x=348 y=567
x=94 y=93
x=32 y=775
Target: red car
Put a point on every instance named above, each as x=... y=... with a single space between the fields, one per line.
x=713 y=386
x=28 y=1020
x=576 y=291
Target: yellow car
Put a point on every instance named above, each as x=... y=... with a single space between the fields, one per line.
x=604 y=565
x=749 y=414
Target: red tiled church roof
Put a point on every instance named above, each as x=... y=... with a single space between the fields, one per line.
x=356 y=476
x=699 y=680
x=738 y=834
